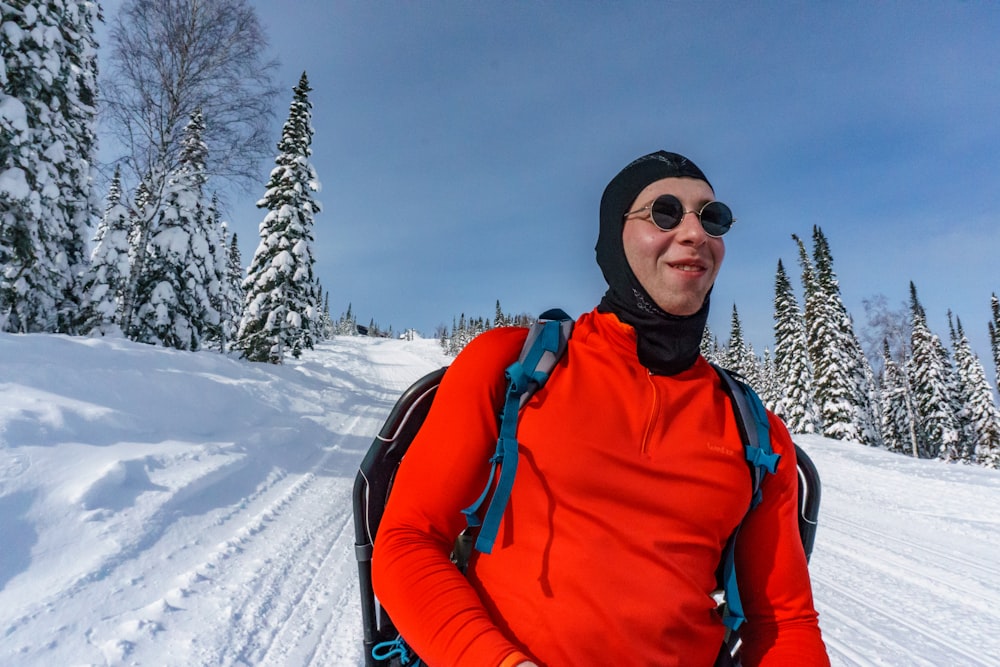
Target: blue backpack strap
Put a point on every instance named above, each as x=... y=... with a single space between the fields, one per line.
x=544 y=346
x=751 y=417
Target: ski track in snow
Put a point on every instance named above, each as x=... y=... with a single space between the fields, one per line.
x=896 y=585
x=299 y=603
x=249 y=560
x=268 y=580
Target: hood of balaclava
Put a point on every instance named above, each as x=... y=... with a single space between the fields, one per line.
x=667 y=344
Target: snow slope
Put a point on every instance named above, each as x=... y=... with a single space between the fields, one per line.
x=169 y=508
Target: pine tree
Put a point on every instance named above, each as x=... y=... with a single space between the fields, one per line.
x=740 y=356
x=863 y=394
x=77 y=199
x=460 y=335
x=995 y=335
x=500 y=319
x=445 y=340
x=957 y=389
x=234 y=277
x=792 y=369
x=833 y=390
x=47 y=144
x=225 y=292
x=281 y=289
x=347 y=325
x=136 y=241
x=980 y=414
x=937 y=429
x=844 y=384
x=173 y=300
x=327 y=328
x=104 y=287
x=768 y=389
x=956 y=407
x=709 y=346
x=897 y=418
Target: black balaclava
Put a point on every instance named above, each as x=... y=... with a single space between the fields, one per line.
x=667 y=344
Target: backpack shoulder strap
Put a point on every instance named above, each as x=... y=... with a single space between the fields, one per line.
x=751 y=418
x=544 y=346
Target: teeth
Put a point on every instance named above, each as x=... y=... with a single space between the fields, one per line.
x=687 y=267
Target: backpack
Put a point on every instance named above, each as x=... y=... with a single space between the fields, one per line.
x=546 y=341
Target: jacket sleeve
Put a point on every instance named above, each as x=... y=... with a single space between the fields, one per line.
x=446 y=468
x=782 y=627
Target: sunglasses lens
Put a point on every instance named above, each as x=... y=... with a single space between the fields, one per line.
x=716 y=218
x=667 y=212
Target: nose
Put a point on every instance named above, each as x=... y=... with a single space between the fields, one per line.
x=689 y=230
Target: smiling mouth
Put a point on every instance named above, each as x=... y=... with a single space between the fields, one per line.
x=688 y=267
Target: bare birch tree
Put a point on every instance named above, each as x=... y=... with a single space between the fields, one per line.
x=169 y=58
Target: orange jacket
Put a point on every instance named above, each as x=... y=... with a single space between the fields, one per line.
x=628 y=486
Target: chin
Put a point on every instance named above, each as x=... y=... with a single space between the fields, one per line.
x=682 y=308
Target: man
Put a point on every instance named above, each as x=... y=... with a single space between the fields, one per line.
x=631 y=476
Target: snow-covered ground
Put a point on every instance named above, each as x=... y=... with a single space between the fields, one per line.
x=168 y=508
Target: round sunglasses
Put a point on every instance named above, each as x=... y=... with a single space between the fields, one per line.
x=667 y=211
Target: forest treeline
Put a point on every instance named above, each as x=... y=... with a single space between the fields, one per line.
x=158 y=265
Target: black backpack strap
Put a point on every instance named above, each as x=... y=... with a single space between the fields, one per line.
x=751 y=418
x=371 y=490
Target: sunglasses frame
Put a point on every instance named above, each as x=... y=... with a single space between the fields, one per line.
x=680 y=205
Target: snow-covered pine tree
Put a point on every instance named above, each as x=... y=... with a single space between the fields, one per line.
x=739 y=356
x=870 y=411
x=792 y=369
x=864 y=395
x=173 y=303
x=47 y=142
x=15 y=191
x=709 y=346
x=234 y=276
x=958 y=393
x=736 y=348
x=140 y=200
x=995 y=335
x=980 y=414
x=844 y=384
x=327 y=328
x=768 y=388
x=347 y=325
x=834 y=391
x=108 y=277
x=317 y=321
x=281 y=289
x=937 y=428
x=897 y=418
x=444 y=340
x=956 y=408
x=460 y=335
x=224 y=289
x=500 y=319
x=77 y=198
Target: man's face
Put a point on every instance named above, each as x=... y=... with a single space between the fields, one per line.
x=677 y=267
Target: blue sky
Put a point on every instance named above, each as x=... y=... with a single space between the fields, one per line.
x=463 y=146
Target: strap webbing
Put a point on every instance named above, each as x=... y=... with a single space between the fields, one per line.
x=544 y=346
x=756 y=433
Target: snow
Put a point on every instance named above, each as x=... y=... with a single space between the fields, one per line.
x=14 y=184
x=160 y=507
x=13 y=112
